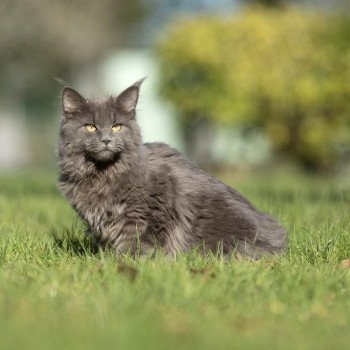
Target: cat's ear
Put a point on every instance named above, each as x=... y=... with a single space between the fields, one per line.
x=127 y=100
x=72 y=101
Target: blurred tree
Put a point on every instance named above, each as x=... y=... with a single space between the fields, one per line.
x=335 y=4
x=284 y=71
x=270 y=3
x=41 y=39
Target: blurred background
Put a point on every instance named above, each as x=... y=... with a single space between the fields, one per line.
x=233 y=84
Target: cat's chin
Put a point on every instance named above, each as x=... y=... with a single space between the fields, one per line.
x=105 y=157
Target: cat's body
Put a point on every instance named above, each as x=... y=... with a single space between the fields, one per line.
x=138 y=197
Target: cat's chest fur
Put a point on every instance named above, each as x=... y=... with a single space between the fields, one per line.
x=99 y=204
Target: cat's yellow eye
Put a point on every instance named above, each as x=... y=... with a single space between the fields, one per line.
x=91 y=127
x=116 y=127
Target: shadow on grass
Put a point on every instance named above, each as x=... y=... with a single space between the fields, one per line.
x=73 y=241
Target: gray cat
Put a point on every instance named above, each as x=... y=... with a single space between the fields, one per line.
x=136 y=197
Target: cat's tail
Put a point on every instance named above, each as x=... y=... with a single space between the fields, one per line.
x=270 y=238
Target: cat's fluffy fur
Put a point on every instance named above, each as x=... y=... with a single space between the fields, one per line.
x=135 y=197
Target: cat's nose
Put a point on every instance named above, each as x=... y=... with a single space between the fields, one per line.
x=106 y=140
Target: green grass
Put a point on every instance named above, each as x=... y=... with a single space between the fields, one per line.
x=56 y=294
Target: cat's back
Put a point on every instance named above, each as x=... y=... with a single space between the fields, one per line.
x=167 y=164
x=160 y=155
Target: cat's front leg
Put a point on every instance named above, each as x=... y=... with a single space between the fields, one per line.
x=95 y=244
x=127 y=237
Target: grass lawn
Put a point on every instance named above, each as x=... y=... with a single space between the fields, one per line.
x=56 y=294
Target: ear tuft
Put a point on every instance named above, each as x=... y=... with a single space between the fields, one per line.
x=72 y=101
x=127 y=100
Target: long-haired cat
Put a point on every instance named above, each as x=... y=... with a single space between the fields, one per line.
x=137 y=197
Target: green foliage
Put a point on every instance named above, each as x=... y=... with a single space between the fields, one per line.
x=285 y=71
x=55 y=293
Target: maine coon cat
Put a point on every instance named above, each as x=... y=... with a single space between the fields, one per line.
x=136 y=197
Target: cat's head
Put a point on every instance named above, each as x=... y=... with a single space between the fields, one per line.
x=101 y=129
